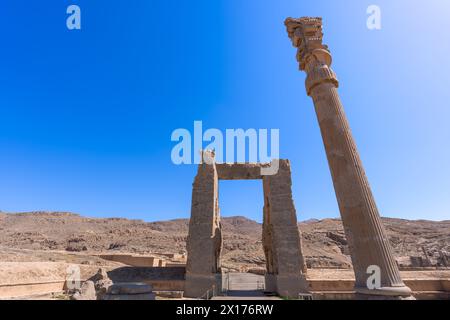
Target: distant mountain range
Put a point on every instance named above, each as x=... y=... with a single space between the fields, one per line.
x=415 y=243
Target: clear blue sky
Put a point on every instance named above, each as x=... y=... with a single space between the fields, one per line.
x=86 y=116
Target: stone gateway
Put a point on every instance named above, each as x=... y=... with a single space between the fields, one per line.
x=281 y=237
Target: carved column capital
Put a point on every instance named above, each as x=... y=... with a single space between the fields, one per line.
x=313 y=56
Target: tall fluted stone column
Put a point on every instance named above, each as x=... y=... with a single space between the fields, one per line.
x=369 y=245
x=204 y=241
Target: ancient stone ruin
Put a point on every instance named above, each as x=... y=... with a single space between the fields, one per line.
x=281 y=237
x=369 y=246
x=365 y=233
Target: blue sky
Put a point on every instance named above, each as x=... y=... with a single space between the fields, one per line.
x=86 y=116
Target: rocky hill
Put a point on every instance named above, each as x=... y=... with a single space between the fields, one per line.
x=416 y=243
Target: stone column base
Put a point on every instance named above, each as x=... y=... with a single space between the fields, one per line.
x=287 y=285
x=270 y=283
x=197 y=285
x=384 y=293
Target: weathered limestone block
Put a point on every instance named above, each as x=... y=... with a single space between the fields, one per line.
x=102 y=283
x=86 y=292
x=239 y=171
x=204 y=241
x=281 y=236
x=130 y=291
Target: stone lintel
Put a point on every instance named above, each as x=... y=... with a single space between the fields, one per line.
x=242 y=171
x=239 y=171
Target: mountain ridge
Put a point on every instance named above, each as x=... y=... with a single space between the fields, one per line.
x=416 y=243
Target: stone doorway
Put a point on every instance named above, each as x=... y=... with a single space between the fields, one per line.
x=243 y=284
x=240 y=214
x=281 y=237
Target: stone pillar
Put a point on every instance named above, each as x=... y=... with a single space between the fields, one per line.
x=204 y=240
x=281 y=236
x=369 y=245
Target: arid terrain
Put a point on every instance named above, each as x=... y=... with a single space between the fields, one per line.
x=56 y=236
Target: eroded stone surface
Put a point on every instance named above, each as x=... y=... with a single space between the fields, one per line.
x=204 y=241
x=86 y=292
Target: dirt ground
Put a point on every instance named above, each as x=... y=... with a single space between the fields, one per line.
x=19 y=266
